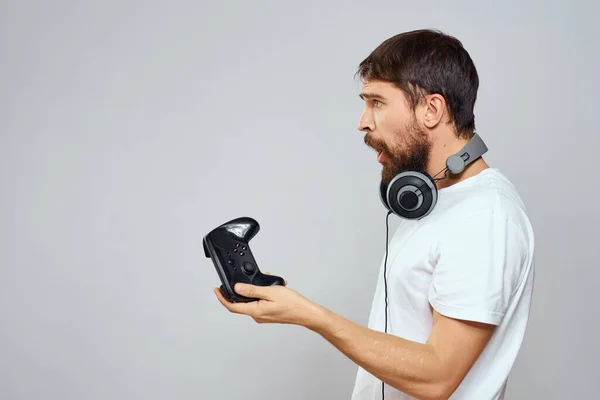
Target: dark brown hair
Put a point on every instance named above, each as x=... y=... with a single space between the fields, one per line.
x=428 y=61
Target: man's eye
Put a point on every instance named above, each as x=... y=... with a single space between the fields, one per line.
x=377 y=103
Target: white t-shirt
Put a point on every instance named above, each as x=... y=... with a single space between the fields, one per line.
x=471 y=258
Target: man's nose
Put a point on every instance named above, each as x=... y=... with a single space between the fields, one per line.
x=365 y=123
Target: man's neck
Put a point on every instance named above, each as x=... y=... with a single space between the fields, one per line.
x=440 y=152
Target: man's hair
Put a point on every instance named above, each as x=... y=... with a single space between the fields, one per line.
x=425 y=62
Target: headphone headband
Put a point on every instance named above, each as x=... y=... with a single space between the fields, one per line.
x=474 y=149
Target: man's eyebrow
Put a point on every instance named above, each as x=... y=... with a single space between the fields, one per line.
x=366 y=95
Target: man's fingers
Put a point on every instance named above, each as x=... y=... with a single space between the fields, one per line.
x=237 y=308
x=258 y=292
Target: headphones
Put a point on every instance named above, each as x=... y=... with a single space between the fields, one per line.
x=413 y=194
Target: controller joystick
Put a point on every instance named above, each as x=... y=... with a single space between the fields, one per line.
x=227 y=246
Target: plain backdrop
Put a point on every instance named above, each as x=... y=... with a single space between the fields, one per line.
x=129 y=129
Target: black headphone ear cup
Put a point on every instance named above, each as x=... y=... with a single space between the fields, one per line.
x=411 y=194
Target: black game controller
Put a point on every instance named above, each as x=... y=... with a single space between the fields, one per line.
x=227 y=245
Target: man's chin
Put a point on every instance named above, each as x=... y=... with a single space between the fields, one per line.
x=387 y=174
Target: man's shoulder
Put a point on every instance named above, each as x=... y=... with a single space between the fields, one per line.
x=490 y=199
x=490 y=191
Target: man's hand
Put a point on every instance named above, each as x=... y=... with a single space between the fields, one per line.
x=276 y=304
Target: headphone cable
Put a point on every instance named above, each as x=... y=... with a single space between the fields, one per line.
x=434 y=179
x=387 y=230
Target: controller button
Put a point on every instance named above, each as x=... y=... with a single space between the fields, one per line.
x=235 y=250
x=237 y=245
x=241 y=253
x=230 y=261
x=243 y=247
x=248 y=267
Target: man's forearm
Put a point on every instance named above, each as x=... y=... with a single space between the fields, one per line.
x=411 y=367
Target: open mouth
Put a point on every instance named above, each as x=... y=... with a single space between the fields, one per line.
x=377 y=150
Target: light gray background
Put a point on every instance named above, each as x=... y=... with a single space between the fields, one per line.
x=130 y=129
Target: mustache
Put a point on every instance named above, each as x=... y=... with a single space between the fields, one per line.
x=374 y=143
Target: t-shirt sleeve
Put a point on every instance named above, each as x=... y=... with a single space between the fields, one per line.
x=479 y=265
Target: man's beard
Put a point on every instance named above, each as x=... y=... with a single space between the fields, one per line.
x=411 y=152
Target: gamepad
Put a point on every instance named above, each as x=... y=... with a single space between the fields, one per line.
x=227 y=246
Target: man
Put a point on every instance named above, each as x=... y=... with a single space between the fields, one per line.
x=459 y=280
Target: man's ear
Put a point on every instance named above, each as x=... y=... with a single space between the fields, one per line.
x=434 y=109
